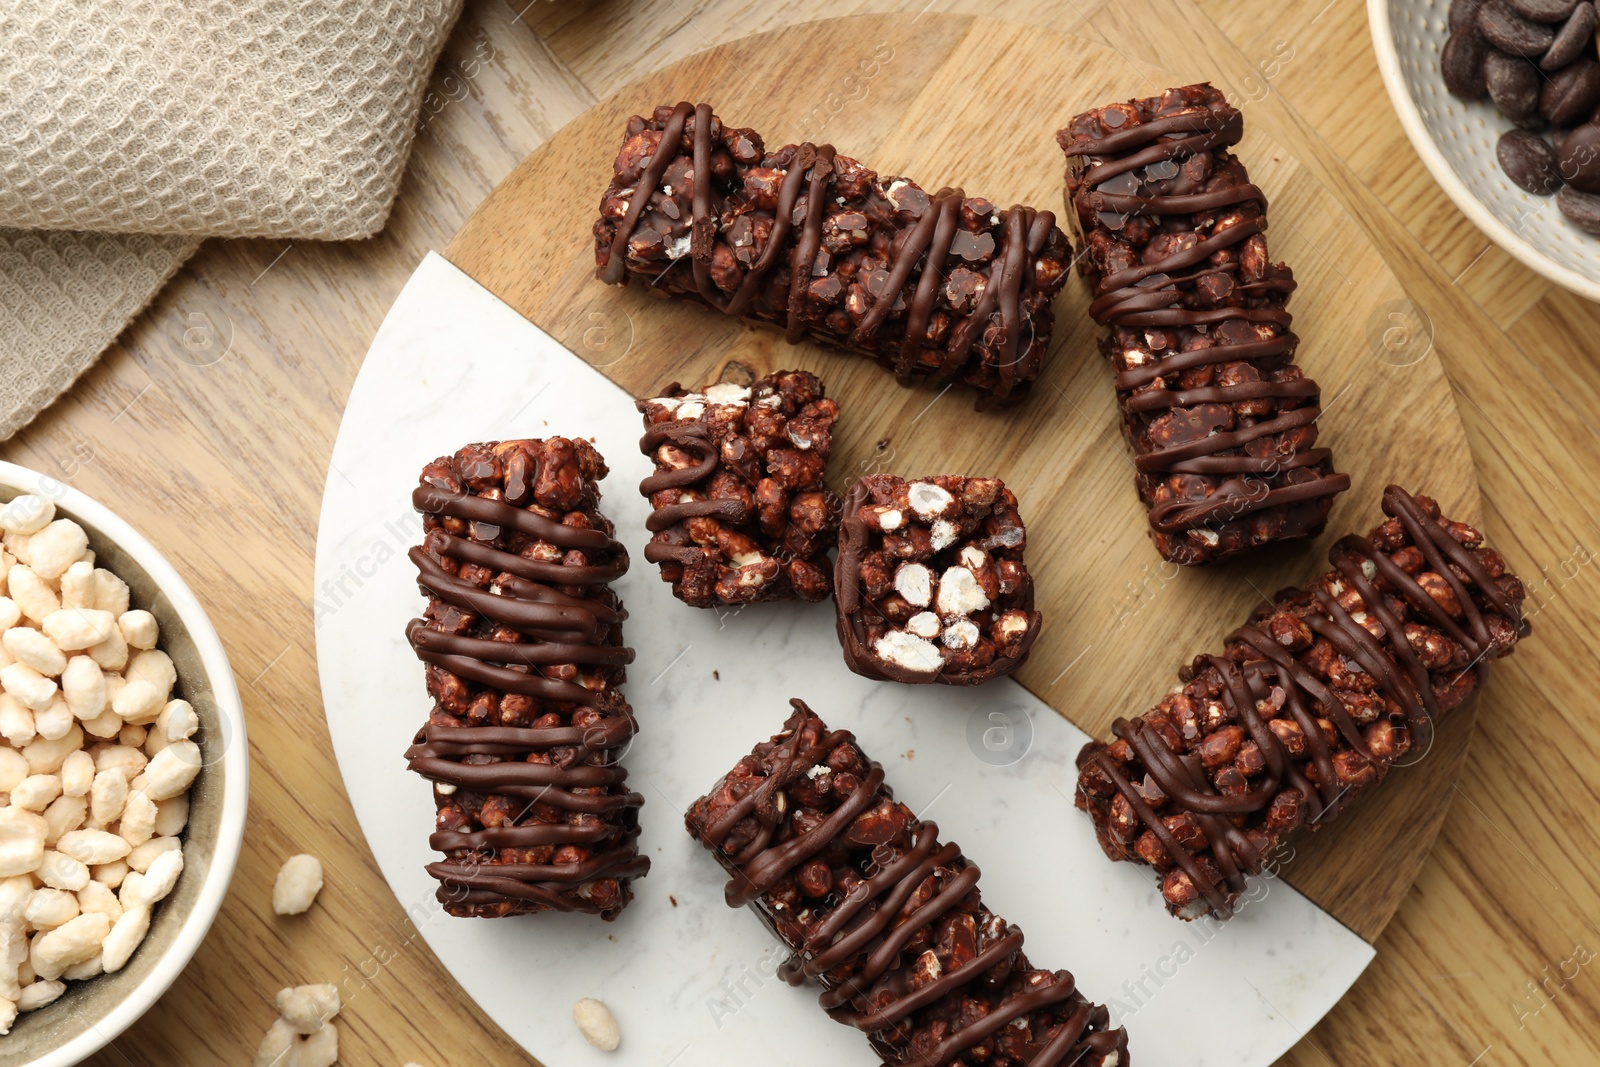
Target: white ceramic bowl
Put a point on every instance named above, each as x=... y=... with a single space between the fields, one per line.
x=1457 y=138
x=90 y=1014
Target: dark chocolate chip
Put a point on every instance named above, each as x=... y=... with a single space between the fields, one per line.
x=1574 y=40
x=1571 y=94
x=1582 y=208
x=1464 y=13
x=1529 y=161
x=1513 y=84
x=1510 y=32
x=1580 y=158
x=1461 y=63
x=1544 y=10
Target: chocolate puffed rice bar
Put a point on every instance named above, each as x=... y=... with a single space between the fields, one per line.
x=1311 y=702
x=937 y=288
x=740 y=506
x=929 y=582
x=522 y=641
x=886 y=918
x=1222 y=422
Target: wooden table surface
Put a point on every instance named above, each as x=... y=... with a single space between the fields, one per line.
x=210 y=423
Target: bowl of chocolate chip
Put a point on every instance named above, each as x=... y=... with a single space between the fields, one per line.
x=1501 y=99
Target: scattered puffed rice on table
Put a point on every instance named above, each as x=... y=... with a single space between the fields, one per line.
x=299 y=882
x=96 y=761
x=307 y=1007
x=597 y=1025
x=303 y=1035
x=279 y=1045
x=321 y=1049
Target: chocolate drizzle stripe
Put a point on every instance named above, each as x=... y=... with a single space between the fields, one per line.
x=424 y=639
x=671 y=134
x=764 y=869
x=503 y=678
x=1134 y=377
x=1171 y=458
x=521 y=779
x=538 y=883
x=532 y=570
x=522 y=836
x=595 y=867
x=1236 y=498
x=1391 y=662
x=528 y=609
x=1227 y=132
x=893 y=940
x=1123 y=298
x=809 y=182
x=1216 y=394
x=433 y=500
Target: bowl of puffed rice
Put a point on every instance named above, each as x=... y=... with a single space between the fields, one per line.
x=124 y=773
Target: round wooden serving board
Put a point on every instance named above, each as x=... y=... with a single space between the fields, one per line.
x=962 y=101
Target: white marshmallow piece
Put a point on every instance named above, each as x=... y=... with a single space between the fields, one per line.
x=914 y=582
x=908 y=652
x=959 y=593
x=929 y=501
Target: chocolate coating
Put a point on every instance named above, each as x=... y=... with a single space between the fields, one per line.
x=522 y=639
x=1312 y=702
x=1223 y=424
x=937 y=288
x=885 y=917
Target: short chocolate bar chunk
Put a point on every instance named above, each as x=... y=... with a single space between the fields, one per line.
x=886 y=918
x=1222 y=422
x=522 y=641
x=1313 y=700
x=929 y=583
x=937 y=287
x=740 y=505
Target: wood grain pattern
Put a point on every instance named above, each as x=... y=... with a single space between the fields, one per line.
x=1119 y=621
x=217 y=449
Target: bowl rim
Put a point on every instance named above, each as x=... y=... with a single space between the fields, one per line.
x=235 y=758
x=1417 y=131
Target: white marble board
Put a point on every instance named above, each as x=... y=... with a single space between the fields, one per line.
x=689 y=980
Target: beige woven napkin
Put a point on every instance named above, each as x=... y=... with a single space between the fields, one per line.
x=129 y=129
